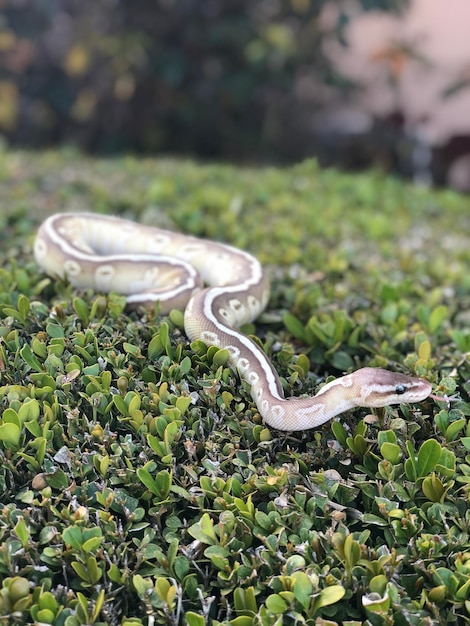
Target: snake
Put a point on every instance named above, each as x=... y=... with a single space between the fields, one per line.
x=220 y=288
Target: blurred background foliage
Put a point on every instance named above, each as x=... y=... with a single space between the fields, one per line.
x=238 y=79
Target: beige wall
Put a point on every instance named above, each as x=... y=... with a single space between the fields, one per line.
x=439 y=30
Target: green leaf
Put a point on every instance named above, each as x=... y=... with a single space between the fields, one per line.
x=329 y=595
x=454 y=429
x=163 y=483
x=463 y=592
x=411 y=469
x=133 y=401
x=27 y=355
x=29 y=410
x=442 y=420
x=22 y=532
x=428 y=456
x=218 y=556
x=81 y=309
x=361 y=428
x=39 y=348
x=342 y=361
x=447 y=463
x=445 y=576
x=243 y=620
x=294 y=563
x=147 y=480
x=94 y=572
x=185 y=366
x=294 y=326
x=142 y=585
x=391 y=452
x=386 y=436
x=73 y=536
x=58 y=480
x=82 y=609
x=165 y=339
x=121 y=405
x=340 y=319
x=276 y=604
x=45 y=616
x=462 y=339
x=129 y=348
x=245 y=600
x=157 y=445
x=370 y=518
x=10 y=416
x=55 y=331
x=177 y=318
x=81 y=571
x=181 y=567
x=114 y=574
x=183 y=403
x=263 y=520
x=10 y=435
x=90 y=545
x=99 y=602
x=155 y=347
x=339 y=431
x=357 y=444
x=221 y=357
x=203 y=530
x=302 y=588
x=437 y=317
x=376 y=604
x=352 y=551
x=193 y=619
x=23 y=306
x=165 y=590
x=433 y=488
x=48 y=601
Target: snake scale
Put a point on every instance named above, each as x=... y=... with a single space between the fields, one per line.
x=150 y=264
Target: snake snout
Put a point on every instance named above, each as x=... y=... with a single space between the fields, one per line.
x=385 y=387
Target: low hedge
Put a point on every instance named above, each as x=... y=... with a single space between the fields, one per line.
x=138 y=482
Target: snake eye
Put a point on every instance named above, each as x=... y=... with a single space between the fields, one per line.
x=400 y=390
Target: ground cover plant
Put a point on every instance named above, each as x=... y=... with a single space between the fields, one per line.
x=138 y=484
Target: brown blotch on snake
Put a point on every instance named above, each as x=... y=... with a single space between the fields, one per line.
x=149 y=264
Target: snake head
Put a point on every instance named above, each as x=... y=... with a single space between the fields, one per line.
x=379 y=387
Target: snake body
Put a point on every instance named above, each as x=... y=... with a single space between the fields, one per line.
x=149 y=264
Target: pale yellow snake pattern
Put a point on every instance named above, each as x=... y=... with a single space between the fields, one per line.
x=149 y=264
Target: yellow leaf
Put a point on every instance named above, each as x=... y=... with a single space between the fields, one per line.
x=8 y=104
x=84 y=105
x=7 y=40
x=424 y=350
x=77 y=60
